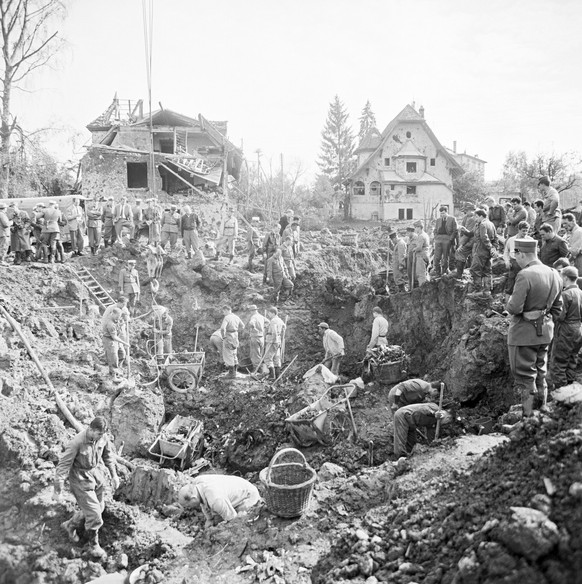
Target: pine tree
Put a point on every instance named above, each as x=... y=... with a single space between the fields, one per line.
x=367 y=120
x=337 y=145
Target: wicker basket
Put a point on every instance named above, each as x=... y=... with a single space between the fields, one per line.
x=288 y=485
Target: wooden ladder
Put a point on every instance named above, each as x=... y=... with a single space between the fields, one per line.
x=95 y=289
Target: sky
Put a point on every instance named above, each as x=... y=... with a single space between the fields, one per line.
x=493 y=76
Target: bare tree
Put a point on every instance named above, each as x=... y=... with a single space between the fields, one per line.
x=29 y=42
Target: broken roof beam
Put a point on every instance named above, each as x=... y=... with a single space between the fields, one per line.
x=189 y=184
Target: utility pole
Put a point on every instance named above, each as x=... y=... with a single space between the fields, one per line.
x=282 y=203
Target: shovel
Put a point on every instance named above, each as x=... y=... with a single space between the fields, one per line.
x=438 y=425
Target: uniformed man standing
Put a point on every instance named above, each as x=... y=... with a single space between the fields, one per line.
x=189 y=225
x=231 y=326
x=483 y=248
x=163 y=324
x=333 y=344
x=379 y=329
x=94 y=214
x=122 y=217
x=256 y=330
x=153 y=217
x=270 y=243
x=535 y=300
x=170 y=227
x=113 y=341
x=229 y=234
x=81 y=462
x=568 y=335
x=278 y=276
x=129 y=284
x=445 y=232
x=253 y=242
x=76 y=221
x=273 y=340
x=109 y=233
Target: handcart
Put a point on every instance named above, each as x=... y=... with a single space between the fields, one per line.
x=326 y=420
x=180 y=442
x=184 y=370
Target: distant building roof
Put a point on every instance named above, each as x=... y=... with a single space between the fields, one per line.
x=370 y=142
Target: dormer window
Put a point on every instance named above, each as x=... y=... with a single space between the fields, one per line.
x=387 y=161
x=411 y=167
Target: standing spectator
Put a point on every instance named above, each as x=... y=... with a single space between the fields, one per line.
x=228 y=237
x=553 y=246
x=296 y=230
x=76 y=220
x=519 y=214
x=253 y=242
x=538 y=207
x=496 y=214
x=52 y=216
x=421 y=253
x=466 y=233
x=109 y=233
x=551 y=212
x=189 y=225
x=531 y=213
x=113 y=343
x=410 y=267
x=170 y=227
x=129 y=284
x=136 y=220
x=271 y=242
x=4 y=231
x=284 y=221
x=21 y=225
x=483 y=248
x=278 y=276
x=37 y=231
x=509 y=255
x=94 y=214
x=574 y=240
x=288 y=258
x=153 y=218
x=121 y=217
x=445 y=232
x=379 y=330
x=398 y=261
x=568 y=333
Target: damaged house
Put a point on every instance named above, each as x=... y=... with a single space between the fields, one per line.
x=403 y=172
x=190 y=155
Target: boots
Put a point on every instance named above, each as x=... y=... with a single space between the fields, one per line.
x=60 y=255
x=93 y=251
x=17 y=258
x=93 y=547
x=28 y=256
x=232 y=372
x=70 y=527
x=277 y=372
x=460 y=269
x=231 y=259
x=272 y=373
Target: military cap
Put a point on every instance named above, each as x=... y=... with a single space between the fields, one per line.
x=570 y=272
x=410 y=229
x=418 y=224
x=526 y=245
x=252 y=307
x=323 y=325
x=392 y=234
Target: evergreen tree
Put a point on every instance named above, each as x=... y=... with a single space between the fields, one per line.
x=367 y=120
x=337 y=147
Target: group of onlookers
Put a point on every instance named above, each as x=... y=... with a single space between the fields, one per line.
x=484 y=232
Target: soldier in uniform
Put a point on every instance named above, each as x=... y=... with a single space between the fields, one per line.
x=109 y=233
x=535 y=300
x=445 y=232
x=189 y=225
x=253 y=242
x=170 y=227
x=231 y=326
x=94 y=214
x=122 y=217
x=421 y=253
x=483 y=248
x=271 y=242
x=76 y=220
x=278 y=276
x=113 y=343
x=153 y=217
x=273 y=340
x=229 y=235
x=129 y=284
x=256 y=329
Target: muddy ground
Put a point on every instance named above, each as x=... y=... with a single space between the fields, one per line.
x=447 y=519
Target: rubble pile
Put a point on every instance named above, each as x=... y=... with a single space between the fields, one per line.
x=515 y=517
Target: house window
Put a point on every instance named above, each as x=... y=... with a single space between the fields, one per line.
x=375 y=189
x=410 y=190
x=359 y=188
x=374 y=216
x=387 y=161
x=392 y=187
x=409 y=214
x=408 y=134
x=411 y=167
x=433 y=161
x=401 y=213
x=137 y=175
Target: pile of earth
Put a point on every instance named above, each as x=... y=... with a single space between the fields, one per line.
x=474 y=528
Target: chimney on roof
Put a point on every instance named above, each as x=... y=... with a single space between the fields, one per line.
x=455 y=146
x=421 y=111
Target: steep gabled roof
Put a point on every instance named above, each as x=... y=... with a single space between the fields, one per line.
x=370 y=142
x=409 y=149
x=409 y=114
x=166 y=117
